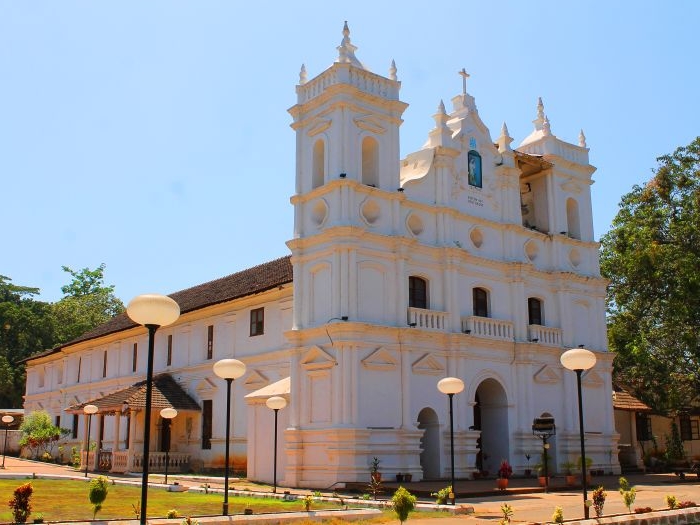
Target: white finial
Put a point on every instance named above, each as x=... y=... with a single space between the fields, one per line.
x=546 y=127
x=346 y=51
x=392 y=70
x=504 y=140
x=540 y=115
x=302 y=75
x=441 y=135
x=582 y=139
x=441 y=107
x=463 y=73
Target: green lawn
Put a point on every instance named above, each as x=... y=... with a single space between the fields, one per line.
x=61 y=500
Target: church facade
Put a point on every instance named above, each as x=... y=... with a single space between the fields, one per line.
x=468 y=258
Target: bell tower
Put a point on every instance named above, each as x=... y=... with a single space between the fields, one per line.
x=347 y=124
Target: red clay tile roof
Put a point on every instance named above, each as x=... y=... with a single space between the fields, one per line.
x=624 y=401
x=166 y=393
x=247 y=282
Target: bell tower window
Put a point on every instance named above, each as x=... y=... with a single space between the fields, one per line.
x=480 y=301
x=572 y=219
x=370 y=162
x=318 y=164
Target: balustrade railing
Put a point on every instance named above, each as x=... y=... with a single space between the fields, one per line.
x=428 y=319
x=487 y=327
x=545 y=335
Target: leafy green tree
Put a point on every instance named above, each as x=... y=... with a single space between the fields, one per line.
x=39 y=434
x=87 y=303
x=652 y=258
x=403 y=502
x=26 y=327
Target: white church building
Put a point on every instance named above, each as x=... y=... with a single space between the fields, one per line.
x=468 y=258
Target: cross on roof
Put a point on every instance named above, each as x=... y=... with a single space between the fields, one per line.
x=463 y=73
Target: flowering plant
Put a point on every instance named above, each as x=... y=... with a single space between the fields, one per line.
x=505 y=471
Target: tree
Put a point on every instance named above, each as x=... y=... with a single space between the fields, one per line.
x=26 y=327
x=39 y=434
x=97 y=493
x=87 y=303
x=652 y=258
x=403 y=502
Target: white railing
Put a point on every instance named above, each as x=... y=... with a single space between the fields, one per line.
x=428 y=319
x=90 y=460
x=488 y=327
x=544 y=334
x=178 y=462
x=120 y=460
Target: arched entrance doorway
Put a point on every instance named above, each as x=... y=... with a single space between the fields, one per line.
x=491 y=417
x=429 y=443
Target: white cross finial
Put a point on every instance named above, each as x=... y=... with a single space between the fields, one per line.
x=463 y=73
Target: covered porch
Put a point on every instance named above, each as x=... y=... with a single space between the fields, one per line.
x=124 y=451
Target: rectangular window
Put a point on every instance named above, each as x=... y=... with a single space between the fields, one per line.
x=534 y=311
x=206 y=424
x=257 y=321
x=689 y=428
x=59 y=374
x=134 y=356
x=169 y=359
x=481 y=302
x=417 y=292
x=74 y=427
x=643 y=427
x=104 y=364
x=58 y=421
x=40 y=379
x=210 y=341
x=128 y=432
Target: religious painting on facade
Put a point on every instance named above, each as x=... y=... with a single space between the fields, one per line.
x=474 y=162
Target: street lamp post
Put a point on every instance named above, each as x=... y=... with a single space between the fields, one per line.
x=7 y=419
x=151 y=311
x=451 y=386
x=89 y=410
x=228 y=369
x=275 y=403
x=167 y=414
x=578 y=360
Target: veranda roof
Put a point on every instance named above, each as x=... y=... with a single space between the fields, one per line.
x=166 y=393
x=625 y=401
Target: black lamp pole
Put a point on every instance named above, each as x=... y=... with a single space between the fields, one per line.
x=584 y=479
x=7 y=420
x=87 y=446
x=147 y=422
x=229 y=381
x=452 y=450
x=274 y=476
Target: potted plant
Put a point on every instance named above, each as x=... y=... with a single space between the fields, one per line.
x=586 y=470
x=408 y=477
x=399 y=477
x=569 y=469
x=505 y=471
x=544 y=458
x=376 y=475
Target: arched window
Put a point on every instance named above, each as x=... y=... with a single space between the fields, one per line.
x=370 y=162
x=481 y=302
x=318 y=165
x=534 y=311
x=573 y=223
x=417 y=292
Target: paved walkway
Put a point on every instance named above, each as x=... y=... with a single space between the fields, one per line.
x=528 y=501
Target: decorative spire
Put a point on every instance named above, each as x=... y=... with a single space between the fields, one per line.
x=539 y=121
x=504 y=140
x=441 y=135
x=546 y=127
x=463 y=73
x=392 y=70
x=346 y=51
x=302 y=75
x=582 y=140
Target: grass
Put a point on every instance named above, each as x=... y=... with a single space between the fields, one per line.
x=62 y=500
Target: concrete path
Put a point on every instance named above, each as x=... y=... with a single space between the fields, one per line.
x=529 y=503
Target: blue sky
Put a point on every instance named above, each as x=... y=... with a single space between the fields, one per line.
x=154 y=136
